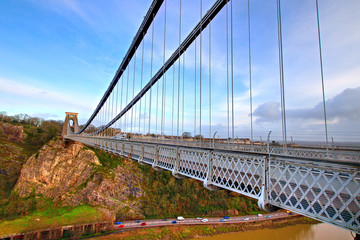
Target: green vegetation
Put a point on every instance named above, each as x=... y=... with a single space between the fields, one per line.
x=107 y=160
x=168 y=197
x=51 y=218
x=38 y=136
x=38 y=131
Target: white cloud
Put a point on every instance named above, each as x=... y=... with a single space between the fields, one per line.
x=31 y=99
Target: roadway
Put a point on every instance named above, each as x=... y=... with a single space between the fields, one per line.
x=194 y=221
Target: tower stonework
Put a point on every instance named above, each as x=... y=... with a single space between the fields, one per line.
x=71 y=124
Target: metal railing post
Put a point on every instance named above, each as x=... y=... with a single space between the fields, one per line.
x=209 y=173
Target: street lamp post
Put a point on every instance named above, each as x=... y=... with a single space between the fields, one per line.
x=214 y=139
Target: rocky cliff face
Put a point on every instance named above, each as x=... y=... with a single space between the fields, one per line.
x=73 y=175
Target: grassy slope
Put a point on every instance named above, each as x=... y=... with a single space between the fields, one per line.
x=52 y=217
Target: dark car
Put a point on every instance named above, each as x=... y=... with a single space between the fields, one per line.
x=174 y=222
x=137 y=221
x=164 y=219
x=226 y=217
x=118 y=223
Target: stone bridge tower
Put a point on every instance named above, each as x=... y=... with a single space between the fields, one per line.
x=71 y=124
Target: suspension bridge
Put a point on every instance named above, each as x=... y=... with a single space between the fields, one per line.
x=164 y=108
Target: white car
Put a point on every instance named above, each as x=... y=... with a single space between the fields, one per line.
x=180 y=218
x=245 y=219
x=259 y=215
x=204 y=220
x=198 y=218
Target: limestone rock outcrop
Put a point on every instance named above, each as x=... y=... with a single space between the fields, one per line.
x=72 y=175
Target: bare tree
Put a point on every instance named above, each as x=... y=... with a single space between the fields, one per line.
x=186 y=135
x=3 y=114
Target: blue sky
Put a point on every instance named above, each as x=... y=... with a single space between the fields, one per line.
x=58 y=56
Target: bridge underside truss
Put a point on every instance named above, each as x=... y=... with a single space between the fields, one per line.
x=323 y=191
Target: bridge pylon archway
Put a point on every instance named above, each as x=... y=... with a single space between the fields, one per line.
x=71 y=124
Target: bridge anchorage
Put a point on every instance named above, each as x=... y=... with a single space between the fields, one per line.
x=158 y=118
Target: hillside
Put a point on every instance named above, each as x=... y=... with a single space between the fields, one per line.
x=74 y=174
x=68 y=176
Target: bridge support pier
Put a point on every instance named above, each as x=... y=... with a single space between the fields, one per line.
x=207 y=182
x=155 y=163
x=210 y=187
x=175 y=172
x=264 y=195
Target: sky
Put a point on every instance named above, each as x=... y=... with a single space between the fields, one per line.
x=60 y=55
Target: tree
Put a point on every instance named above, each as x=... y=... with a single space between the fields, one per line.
x=35 y=121
x=3 y=114
x=199 y=136
x=90 y=129
x=186 y=135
